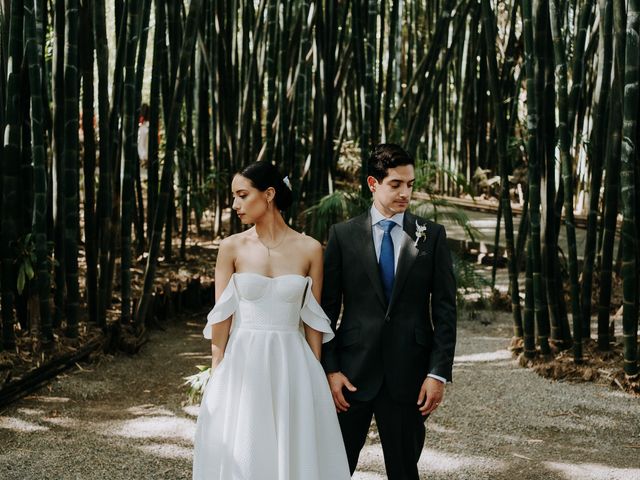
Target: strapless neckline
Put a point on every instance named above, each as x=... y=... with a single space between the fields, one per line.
x=271 y=278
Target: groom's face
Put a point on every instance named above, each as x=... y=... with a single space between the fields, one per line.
x=392 y=194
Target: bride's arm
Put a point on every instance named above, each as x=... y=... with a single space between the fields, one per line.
x=313 y=336
x=220 y=331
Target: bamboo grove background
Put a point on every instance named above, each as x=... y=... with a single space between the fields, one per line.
x=542 y=93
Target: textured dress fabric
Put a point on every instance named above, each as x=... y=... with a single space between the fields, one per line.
x=267 y=411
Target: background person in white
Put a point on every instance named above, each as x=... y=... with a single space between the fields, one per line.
x=394 y=348
x=143 y=136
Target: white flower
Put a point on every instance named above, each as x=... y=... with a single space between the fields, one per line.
x=197 y=383
x=421 y=233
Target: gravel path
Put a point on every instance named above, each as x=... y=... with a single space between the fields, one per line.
x=123 y=418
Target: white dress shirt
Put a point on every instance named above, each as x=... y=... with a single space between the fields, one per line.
x=396 y=238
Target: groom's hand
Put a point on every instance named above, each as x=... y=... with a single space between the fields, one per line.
x=337 y=381
x=431 y=394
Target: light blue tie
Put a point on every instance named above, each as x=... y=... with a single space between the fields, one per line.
x=386 y=262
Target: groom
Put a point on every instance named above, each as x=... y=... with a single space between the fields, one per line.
x=390 y=274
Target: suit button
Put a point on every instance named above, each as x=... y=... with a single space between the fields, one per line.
x=387 y=319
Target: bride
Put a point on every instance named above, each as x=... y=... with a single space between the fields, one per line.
x=267 y=412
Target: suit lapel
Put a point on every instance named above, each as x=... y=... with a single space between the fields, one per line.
x=367 y=255
x=408 y=254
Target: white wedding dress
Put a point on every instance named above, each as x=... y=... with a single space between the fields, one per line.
x=267 y=411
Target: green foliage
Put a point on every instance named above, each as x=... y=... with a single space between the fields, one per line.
x=25 y=260
x=349 y=161
x=202 y=195
x=437 y=208
x=428 y=172
x=334 y=208
x=468 y=280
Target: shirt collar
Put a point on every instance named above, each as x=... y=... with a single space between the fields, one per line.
x=377 y=217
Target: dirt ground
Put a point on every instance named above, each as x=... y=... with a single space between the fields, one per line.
x=123 y=417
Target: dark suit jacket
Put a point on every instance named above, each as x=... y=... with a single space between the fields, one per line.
x=401 y=341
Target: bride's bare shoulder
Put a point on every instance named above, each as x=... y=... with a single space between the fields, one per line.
x=307 y=242
x=236 y=240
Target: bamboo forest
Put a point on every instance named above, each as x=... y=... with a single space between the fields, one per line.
x=125 y=122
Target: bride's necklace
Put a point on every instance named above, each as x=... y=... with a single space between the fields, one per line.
x=274 y=246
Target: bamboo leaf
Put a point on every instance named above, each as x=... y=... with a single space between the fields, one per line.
x=21 y=279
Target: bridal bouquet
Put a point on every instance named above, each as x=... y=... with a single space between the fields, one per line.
x=196 y=383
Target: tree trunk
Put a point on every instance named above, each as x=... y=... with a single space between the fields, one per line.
x=596 y=152
x=130 y=156
x=90 y=228
x=534 y=176
x=72 y=220
x=567 y=172
x=10 y=172
x=40 y=171
x=628 y=188
x=105 y=177
x=489 y=27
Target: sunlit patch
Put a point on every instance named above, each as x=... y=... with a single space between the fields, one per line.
x=434 y=427
x=433 y=461
x=473 y=340
x=484 y=357
x=18 y=425
x=154 y=427
x=371 y=455
x=617 y=394
x=594 y=471
x=168 y=450
x=194 y=355
x=513 y=439
x=31 y=411
x=367 y=476
x=488 y=223
x=65 y=422
x=149 y=410
x=191 y=410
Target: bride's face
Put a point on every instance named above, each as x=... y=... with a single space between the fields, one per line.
x=250 y=203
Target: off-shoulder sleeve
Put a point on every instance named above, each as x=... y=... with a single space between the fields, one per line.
x=313 y=315
x=223 y=309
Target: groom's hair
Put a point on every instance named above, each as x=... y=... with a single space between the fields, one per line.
x=385 y=156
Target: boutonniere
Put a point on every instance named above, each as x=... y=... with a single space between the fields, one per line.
x=421 y=233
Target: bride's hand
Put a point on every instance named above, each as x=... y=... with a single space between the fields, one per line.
x=215 y=363
x=216 y=356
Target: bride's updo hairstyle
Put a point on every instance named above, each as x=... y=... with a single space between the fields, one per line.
x=263 y=175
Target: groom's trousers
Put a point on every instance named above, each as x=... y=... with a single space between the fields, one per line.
x=401 y=429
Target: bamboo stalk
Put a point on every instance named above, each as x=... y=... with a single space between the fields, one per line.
x=167 y=171
x=628 y=181
x=567 y=173
x=489 y=27
x=40 y=175
x=10 y=171
x=71 y=141
x=130 y=155
x=534 y=175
